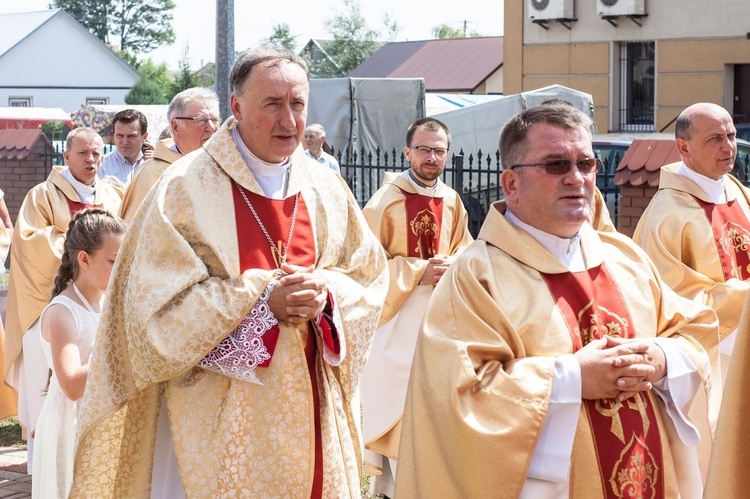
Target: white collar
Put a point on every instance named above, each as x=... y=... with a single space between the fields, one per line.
x=713 y=188
x=273 y=178
x=424 y=191
x=566 y=250
x=85 y=192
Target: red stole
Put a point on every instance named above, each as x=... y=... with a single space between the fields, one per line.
x=75 y=206
x=424 y=217
x=255 y=252
x=626 y=434
x=732 y=234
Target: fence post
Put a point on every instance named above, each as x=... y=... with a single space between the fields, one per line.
x=459 y=178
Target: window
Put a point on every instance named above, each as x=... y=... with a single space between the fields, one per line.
x=637 y=69
x=97 y=101
x=19 y=101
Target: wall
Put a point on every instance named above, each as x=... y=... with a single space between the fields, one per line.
x=633 y=202
x=17 y=177
x=696 y=46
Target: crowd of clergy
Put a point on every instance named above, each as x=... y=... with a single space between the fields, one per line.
x=261 y=335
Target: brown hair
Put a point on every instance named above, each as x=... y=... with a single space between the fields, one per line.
x=513 y=137
x=430 y=124
x=85 y=233
x=128 y=116
x=252 y=57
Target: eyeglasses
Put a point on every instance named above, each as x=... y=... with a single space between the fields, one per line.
x=440 y=152
x=201 y=121
x=563 y=166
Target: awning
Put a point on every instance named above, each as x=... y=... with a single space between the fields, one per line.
x=30 y=118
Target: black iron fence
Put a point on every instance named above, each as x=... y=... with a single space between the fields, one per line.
x=475 y=177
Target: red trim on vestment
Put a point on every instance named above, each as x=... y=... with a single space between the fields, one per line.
x=75 y=206
x=626 y=434
x=732 y=235
x=255 y=252
x=424 y=217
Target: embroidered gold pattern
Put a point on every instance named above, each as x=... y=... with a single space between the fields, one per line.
x=425 y=224
x=636 y=472
x=734 y=241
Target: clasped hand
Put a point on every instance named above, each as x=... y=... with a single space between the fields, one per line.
x=298 y=296
x=616 y=367
x=436 y=267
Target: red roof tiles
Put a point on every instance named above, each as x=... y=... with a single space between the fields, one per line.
x=643 y=160
x=17 y=144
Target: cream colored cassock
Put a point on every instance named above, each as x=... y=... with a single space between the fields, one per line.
x=480 y=395
x=387 y=373
x=728 y=475
x=176 y=293
x=148 y=173
x=677 y=235
x=36 y=251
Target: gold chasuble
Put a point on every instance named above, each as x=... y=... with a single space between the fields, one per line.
x=626 y=434
x=483 y=369
x=147 y=175
x=36 y=251
x=179 y=289
x=700 y=248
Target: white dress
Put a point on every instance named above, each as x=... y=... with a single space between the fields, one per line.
x=54 y=445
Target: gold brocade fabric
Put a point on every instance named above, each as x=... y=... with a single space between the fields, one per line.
x=484 y=364
x=600 y=219
x=385 y=213
x=36 y=250
x=176 y=292
x=678 y=237
x=148 y=173
x=728 y=475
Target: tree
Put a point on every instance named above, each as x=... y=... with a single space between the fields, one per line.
x=353 y=42
x=137 y=25
x=186 y=78
x=145 y=91
x=442 y=31
x=281 y=37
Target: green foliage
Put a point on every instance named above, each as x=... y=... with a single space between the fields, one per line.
x=158 y=73
x=442 y=31
x=10 y=433
x=353 y=42
x=282 y=37
x=145 y=91
x=186 y=78
x=139 y=25
x=53 y=130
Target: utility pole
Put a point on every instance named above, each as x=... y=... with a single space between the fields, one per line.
x=224 y=52
x=464 y=29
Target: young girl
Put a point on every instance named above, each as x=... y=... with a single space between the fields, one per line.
x=68 y=327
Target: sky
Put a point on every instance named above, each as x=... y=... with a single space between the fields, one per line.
x=195 y=21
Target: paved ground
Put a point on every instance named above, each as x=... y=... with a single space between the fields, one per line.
x=14 y=482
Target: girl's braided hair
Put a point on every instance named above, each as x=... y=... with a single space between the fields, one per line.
x=85 y=233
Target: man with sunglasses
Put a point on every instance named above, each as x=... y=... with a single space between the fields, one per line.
x=697 y=227
x=553 y=361
x=193 y=118
x=422 y=225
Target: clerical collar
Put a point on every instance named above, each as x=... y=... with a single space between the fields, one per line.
x=566 y=250
x=713 y=188
x=173 y=147
x=87 y=193
x=273 y=178
x=420 y=187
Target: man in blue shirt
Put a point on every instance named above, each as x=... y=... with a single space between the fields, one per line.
x=314 y=138
x=130 y=132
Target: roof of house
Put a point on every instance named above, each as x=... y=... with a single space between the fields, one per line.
x=642 y=162
x=15 y=28
x=447 y=65
x=18 y=26
x=17 y=144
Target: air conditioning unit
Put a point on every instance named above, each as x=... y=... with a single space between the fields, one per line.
x=546 y=10
x=621 y=7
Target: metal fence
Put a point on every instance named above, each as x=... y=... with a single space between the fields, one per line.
x=475 y=177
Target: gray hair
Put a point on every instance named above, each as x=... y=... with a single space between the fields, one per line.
x=317 y=128
x=78 y=131
x=180 y=101
x=252 y=57
x=513 y=137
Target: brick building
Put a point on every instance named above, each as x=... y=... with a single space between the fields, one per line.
x=25 y=161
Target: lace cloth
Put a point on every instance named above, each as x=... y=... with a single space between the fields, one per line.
x=243 y=350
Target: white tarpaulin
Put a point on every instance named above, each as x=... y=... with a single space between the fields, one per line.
x=478 y=127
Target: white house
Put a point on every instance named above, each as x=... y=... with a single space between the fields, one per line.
x=47 y=59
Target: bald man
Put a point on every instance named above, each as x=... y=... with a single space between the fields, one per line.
x=696 y=227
